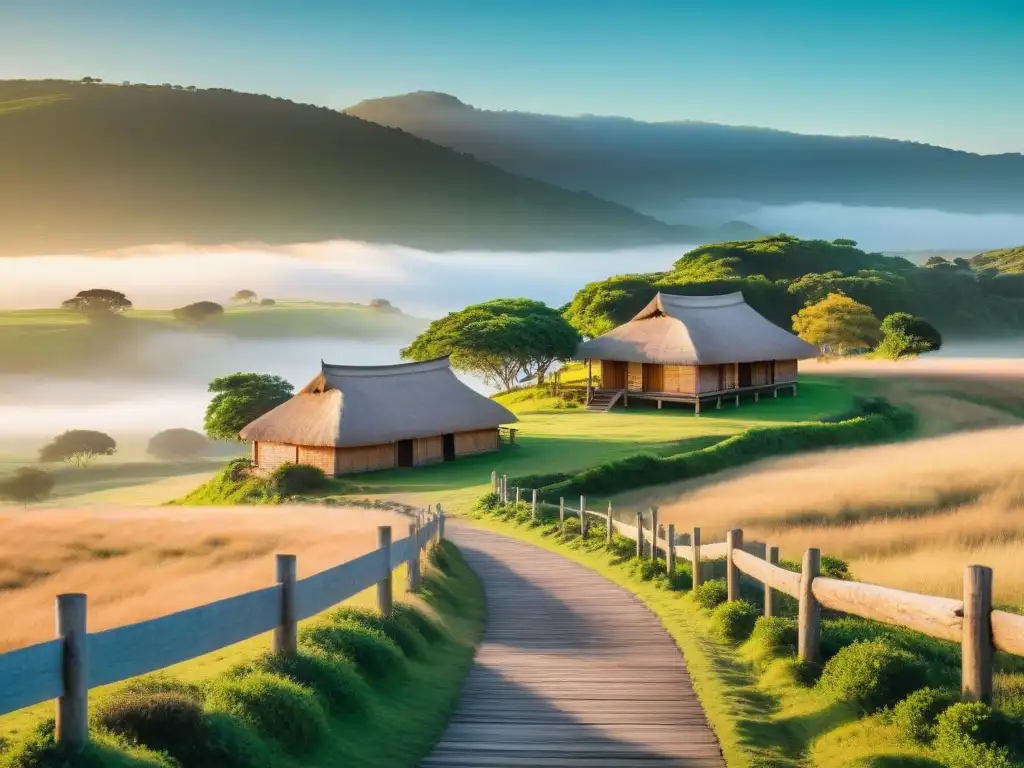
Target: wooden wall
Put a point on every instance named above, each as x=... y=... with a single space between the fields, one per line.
x=680 y=378
x=427 y=450
x=635 y=377
x=612 y=373
x=318 y=456
x=654 y=377
x=708 y=378
x=730 y=376
x=760 y=374
x=273 y=455
x=480 y=441
x=785 y=370
x=364 y=458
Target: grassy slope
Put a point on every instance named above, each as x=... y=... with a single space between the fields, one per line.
x=418 y=707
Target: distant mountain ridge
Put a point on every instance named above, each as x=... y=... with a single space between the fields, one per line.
x=645 y=165
x=89 y=166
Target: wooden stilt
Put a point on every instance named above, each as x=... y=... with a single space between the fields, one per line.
x=696 y=411
x=737 y=401
x=718 y=404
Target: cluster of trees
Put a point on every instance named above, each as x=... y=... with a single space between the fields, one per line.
x=505 y=340
x=246 y=296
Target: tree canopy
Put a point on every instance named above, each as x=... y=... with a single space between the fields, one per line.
x=837 y=325
x=500 y=340
x=98 y=301
x=78 y=447
x=240 y=398
x=26 y=484
x=199 y=312
x=244 y=296
x=904 y=335
x=177 y=444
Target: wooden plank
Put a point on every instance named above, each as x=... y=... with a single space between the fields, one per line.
x=1007 y=632
x=938 y=617
x=713 y=551
x=30 y=675
x=572 y=671
x=322 y=590
x=402 y=551
x=771 y=575
x=135 y=649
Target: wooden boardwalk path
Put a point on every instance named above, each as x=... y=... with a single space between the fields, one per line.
x=573 y=671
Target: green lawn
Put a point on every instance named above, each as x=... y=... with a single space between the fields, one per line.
x=560 y=440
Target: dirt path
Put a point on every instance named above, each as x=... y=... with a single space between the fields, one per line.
x=572 y=671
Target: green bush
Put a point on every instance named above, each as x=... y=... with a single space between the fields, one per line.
x=293 y=479
x=711 y=594
x=872 y=674
x=427 y=627
x=915 y=715
x=834 y=568
x=774 y=635
x=734 y=621
x=682 y=577
x=37 y=749
x=398 y=628
x=647 y=569
x=166 y=722
x=487 y=504
x=972 y=735
x=278 y=708
x=375 y=655
x=336 y=680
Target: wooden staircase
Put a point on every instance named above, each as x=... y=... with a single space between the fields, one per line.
x=602 y=401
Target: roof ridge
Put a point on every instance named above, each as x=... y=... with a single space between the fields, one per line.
x=395 y=369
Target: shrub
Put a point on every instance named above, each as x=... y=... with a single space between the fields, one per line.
x=267 y=302
x=200 y=312
x=338 y=683
x=176 y=444
x=915 y=715
x=293 y=479
x=682 y=577
x=774 y=635
x=487 y=504
x=968 y=735
x=375 y=655
x=734 y=621
x=943 y=667
x=275 y=706
x=872 y=674
x=711 y=594
x=397 y=628
x=645 y=568
x=104 y=750
x=834 y=568
x=426 y=626
x=26 y=484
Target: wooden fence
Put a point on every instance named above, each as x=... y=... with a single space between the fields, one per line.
x=77 y=660
x=971 y=622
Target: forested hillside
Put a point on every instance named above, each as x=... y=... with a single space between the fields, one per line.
x=780 y=274
x=90 y=166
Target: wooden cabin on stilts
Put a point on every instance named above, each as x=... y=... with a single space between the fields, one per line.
x=700 y=350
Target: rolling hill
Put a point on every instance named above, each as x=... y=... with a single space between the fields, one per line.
x=651 y=166
x=89 y=166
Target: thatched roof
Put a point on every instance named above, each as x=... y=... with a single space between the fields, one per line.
x=697 y=330
x=349 y=405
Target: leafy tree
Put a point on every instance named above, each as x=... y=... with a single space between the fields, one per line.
x=27 y=484
x=934 y=261
x=499 y=340
x=383 y=305
x=244 y=296
x=98 y=301
x=239 y=398
x=78 y=447
x=199 y=312
x=844 y=243
x=267 y=302
x=177 y=444
x=904 y=335
x=837 y=324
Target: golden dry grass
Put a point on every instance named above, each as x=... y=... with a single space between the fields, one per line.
x=137 y=564
x=909 y=515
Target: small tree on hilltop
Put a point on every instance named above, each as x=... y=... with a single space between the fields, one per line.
x=200 y=312
x=27 y=484
x=177 y=444
x=78 y=447
x=844 y=242
x=267 y=302
x=838 y=325
x=244 y=296
x=904 y=335
x=240 y=398
x=383 y=305
x=499 y=340
x=98 y=301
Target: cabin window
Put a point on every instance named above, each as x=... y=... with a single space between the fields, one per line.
x=448 y=447
x=403 y=453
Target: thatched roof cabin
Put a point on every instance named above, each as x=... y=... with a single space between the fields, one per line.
x=359 y=418
x=692 y=349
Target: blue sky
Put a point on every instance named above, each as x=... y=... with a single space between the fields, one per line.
x=949 y=73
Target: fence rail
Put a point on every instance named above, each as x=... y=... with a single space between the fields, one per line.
x=970 y=622
x=66 y=668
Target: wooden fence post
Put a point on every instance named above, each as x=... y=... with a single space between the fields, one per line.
x=654 y=533
x=976 y=648
x=412 y=574
x=561 y=512
x=733 y=540
x=73 y=704
x=440 y=523
x=583 y=517
x=504 y=489
x=698 y=576
x=639 y=534
x=611 y=526
x=533 y=505
x=517 y=495
x=494 y=481
x=809 y=620
x=772 y=556
x=286 y=633
x=670 y=549
x=384 y=600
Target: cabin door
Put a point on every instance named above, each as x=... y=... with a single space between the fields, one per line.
x=403 y=453
x=745 y=375
x=449 y=447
